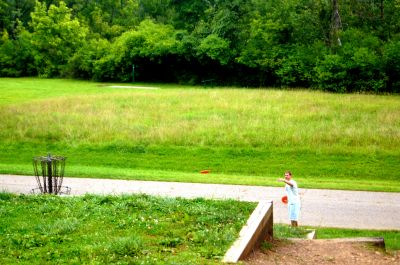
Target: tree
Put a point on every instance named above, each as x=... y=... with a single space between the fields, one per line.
x=151 y=44
x=13 y=14
x=336 y=24
x=55 y=38
x=16 y=58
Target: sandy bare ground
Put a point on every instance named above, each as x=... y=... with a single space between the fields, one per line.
x=322 y=252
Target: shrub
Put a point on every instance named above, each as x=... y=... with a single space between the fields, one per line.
x=82 y=63
x=354 y=66
x=391 y=60
x=16 y=55
x=297 y=69
x=331 y=73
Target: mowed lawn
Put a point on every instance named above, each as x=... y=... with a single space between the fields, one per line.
x=243 y=136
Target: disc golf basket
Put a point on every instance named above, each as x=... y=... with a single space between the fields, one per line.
x=49 y=173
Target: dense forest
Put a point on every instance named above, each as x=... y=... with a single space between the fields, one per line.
x=332 y=45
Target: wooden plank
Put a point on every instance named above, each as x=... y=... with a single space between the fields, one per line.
x=258 y=228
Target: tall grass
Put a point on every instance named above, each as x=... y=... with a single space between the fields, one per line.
x=224 y=117
x=245 y=132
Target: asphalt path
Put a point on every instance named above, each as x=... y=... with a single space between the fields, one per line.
x=325 y=208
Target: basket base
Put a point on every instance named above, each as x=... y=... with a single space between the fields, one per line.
x=64 y=190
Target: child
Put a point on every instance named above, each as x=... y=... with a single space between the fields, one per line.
x=293 y=198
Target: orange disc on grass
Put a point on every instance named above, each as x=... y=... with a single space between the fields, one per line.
x=206 y=171
x=284 y=199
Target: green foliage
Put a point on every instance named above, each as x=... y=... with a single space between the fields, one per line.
x=55 y=38
x=16 y=54
x=265 y=246
x=285 y=231
x=149 y=43
x=331 y=73
x=392 y=65
x=117 y=230
x=273 y=43
x=297 y=69
x=152 y=40
x=215 y=48
x=82 y=64
x=355 y=66
x=363 y=53
x=261 y=48
x=99 y=25
x=14 y=14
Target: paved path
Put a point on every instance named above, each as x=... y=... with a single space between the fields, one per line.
x=328 y=208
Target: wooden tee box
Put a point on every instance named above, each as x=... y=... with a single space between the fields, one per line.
x=258 y=228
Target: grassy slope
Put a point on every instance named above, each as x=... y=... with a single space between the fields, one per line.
x=243 y=136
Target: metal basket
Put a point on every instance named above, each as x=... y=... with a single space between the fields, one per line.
x=49 y=172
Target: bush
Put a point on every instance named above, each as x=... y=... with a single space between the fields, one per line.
x=150 y=44
x=362 y=53
x=82 y=63
x=55 y=39
x=215 y=48
x=355 y=66
x=16 y=57
x=297 y=69
x=391 y=58
x=331 y=74
x=365 y=71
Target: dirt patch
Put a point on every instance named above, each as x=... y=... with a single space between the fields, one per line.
x=321 y=252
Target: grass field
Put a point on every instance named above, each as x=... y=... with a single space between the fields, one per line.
x=244 y=136
x=134 y=229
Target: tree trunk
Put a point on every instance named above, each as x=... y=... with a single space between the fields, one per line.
x=336 y=24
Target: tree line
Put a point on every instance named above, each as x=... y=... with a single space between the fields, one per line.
x=332 y=45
